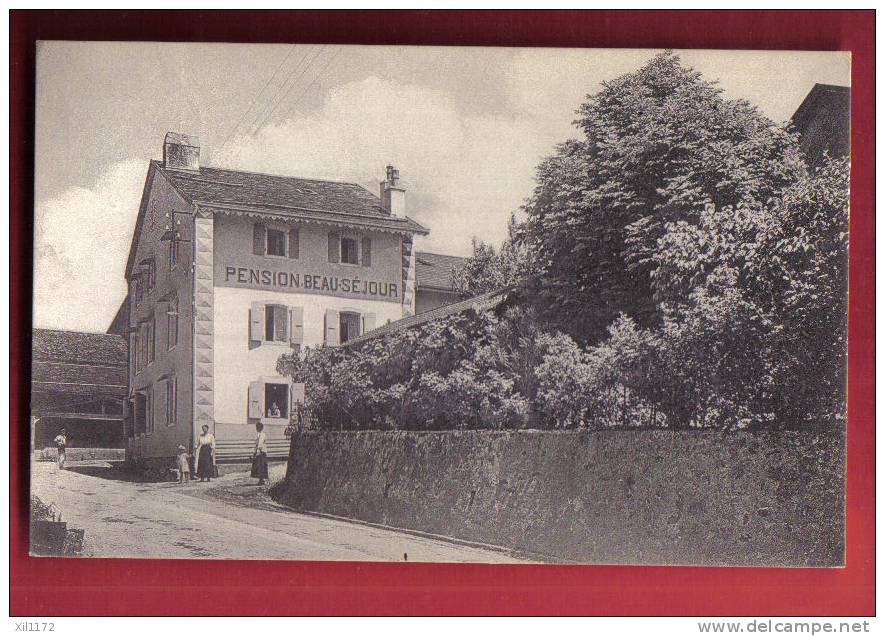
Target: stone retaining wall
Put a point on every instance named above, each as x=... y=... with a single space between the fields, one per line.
x=650 y=497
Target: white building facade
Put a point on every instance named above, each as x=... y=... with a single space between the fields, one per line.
x=228 y=270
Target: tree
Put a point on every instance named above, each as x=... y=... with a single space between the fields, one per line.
x=658 y=146
x=782 y=270
x=490 y=269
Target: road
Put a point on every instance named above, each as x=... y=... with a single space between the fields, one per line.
x=229 y=518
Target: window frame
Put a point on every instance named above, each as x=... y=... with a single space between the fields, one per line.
x=150 y=341
x=270 y=317
x=173 y=254
x=285 y=234
x=358 y=321
x=148 y=410
x=171 y=401
x=284 y=411
x=172 y=320
x=356 y=242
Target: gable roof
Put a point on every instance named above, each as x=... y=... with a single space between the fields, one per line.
x=434 y=271
x=120 y=324
x=275 y=196
x=55 y=345
x=483 y=302
x=823 y=121
x=73 y=362
x=287 y=196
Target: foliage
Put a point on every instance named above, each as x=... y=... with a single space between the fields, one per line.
x=679 y=266
x=490 y=269
x=456 y=372
x=658 y=145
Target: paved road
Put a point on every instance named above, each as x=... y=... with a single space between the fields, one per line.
x=231 y=518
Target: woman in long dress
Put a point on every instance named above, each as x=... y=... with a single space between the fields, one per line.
x=259 y=455
x=206 y=455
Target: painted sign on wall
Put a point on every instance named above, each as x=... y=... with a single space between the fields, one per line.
x=285 y=279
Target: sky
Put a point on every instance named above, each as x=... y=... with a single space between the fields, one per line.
x=466 y=128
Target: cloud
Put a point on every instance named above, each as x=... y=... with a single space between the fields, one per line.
x=464 y=174
x=81 y=241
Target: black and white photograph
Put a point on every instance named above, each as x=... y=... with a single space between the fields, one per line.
x=324 y=302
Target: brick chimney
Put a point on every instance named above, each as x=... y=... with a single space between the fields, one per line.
x=181 y=152
x=393 y=196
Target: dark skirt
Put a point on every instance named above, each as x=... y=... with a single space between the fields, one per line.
x=259 y=466
x=205 y=467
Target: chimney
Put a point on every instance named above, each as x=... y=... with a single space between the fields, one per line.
x=393 y=196
x=181 y=152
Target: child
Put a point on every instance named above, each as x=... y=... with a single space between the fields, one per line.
x=184 y=470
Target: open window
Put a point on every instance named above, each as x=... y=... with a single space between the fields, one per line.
x=350 y=252
x=275 y=241
x=349 y=325
x=269 y=399
x=276 y=400
x=276 y=323
x=350 y=249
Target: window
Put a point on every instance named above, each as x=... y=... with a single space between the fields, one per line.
x=173 y=253
x=148 y=274
x=171 y=404
x=276 y=400
x=172 y=323
x=150 y=340
x=349 y=325
x=148 y=411
x=136 y=289
x=141 y=348
x=350 y=251
x=276 y=243
x=276 y=319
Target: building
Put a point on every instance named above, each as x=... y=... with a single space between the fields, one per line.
x=78 y=383
x=228 y=270
x=433 y=280
x=823 y=121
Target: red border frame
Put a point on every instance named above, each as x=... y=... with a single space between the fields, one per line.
x=165 y=587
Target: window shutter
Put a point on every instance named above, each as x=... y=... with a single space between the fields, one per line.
x=258 y=239
x=367 y=251
x=256 y=400
x=332 y=327
x=368 y=322
x=296 y=331
x=280 y=323
x=256 y=322
x=334 y=247
x=293 y=243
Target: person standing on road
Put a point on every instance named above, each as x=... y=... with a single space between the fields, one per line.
x=206 y=455
x=259 y=455
x=61 y=442
x=184 y=470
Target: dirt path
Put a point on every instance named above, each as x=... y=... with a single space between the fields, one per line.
x=231 y=518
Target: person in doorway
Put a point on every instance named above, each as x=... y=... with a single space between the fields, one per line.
x=183 y=465
x=274 y=410
x=206 y=455
x=259 y=455
x=61 y=443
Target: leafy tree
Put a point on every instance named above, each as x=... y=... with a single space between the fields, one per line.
x=490 y=269
x=658 y=146
x=781 y=270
